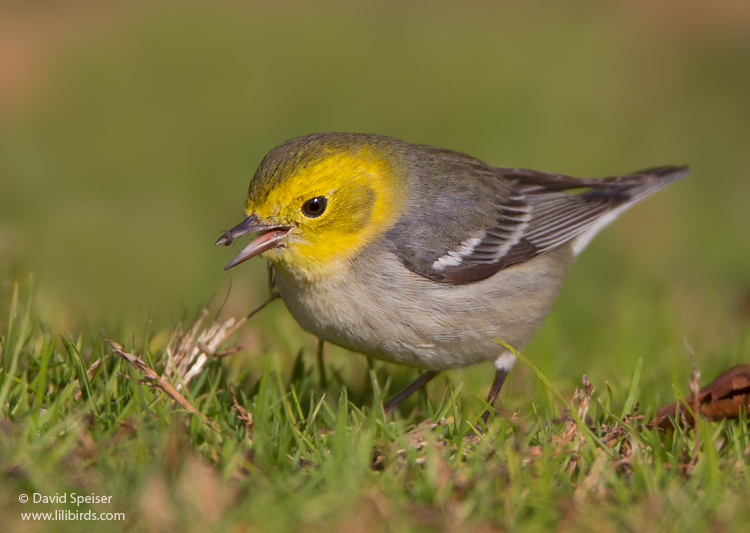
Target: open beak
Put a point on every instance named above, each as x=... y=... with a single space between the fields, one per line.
x=268 y=237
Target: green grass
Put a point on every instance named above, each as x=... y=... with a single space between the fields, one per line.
x=309 y=458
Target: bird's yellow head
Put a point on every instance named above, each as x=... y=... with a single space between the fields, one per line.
x=317 y=200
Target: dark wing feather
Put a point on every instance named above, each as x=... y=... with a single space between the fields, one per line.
x=527 y=213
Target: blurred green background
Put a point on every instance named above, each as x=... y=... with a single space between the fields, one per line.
x=129 y=132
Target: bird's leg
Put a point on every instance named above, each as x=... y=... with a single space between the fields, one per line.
x=407 y=391
x=503 y=365
x=271 y=276
x=322 y=365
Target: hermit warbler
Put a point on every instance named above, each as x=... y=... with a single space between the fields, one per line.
x=418 y=255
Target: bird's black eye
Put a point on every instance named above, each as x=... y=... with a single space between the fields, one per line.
x=314 y=207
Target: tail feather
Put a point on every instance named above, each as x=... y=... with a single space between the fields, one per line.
x=631 y=189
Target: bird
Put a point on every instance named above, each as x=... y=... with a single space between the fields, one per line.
x=422 y=256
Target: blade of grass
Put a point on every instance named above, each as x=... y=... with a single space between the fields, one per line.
x=40 y=381
x=9 y=372
x=548 y=385
x=630 y=401
x=80 y=367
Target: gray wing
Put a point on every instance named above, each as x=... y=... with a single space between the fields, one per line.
x=509 y=216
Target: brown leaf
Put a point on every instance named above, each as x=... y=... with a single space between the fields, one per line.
x=721 y=399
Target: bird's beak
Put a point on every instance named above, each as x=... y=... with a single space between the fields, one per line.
x=269 y=235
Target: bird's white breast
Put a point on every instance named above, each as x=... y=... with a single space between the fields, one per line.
x=379 y=308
